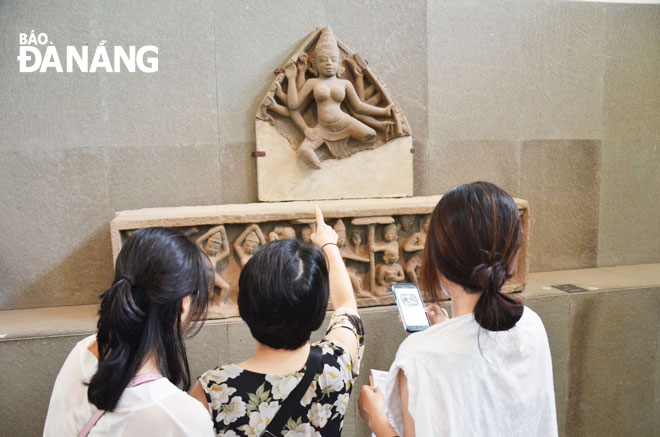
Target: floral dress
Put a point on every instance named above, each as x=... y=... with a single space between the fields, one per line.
x=242 y=402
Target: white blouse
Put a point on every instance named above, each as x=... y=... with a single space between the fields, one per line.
x=466 y=381
x=154 y=408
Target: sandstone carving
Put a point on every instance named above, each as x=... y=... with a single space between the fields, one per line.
x=215 y=245
x=281 y=232
x=388 y=273
x=329 y=104
x=248 y=242
x=415 y=243
x=379 y=240
x=349 y=255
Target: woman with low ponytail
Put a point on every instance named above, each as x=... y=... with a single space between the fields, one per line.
x=487 y=371
x=131 y=377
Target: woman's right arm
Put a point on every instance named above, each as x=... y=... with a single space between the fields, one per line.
x=197 y=392
x=341 y=290
x=372 y=408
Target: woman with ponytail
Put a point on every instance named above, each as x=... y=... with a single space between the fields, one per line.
x=487 y=371
x=131 y=377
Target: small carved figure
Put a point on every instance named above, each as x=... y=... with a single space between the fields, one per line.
x=355 y=246
x=391 y=237
x=415 y=243
x=306 y=234
x=281 y=232
x=216 y=249
x=334 y=126
x=348 y=254
x=248 y=242
x=388 y=273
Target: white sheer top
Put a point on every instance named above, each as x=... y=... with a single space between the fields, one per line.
x=154 y=408
x=466 y=381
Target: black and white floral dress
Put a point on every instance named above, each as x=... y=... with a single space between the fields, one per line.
x=242 y=402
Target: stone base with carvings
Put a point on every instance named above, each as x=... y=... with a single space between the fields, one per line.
x=227 y=233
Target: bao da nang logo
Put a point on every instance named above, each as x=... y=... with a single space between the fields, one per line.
x=38 y=54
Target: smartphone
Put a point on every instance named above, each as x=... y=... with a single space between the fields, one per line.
x=411 y=307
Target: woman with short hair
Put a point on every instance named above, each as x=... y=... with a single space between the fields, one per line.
x=487 y=371
x=289 y=386
x=123 y=380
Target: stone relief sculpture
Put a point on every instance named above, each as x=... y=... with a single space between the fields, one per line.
x=215 y=245
x=334 y=101
x=248 y=242
x=306 y=234
x=391 y=239
x=415 y=243
x=388 y=273
x=348 y=254
x=281 y=232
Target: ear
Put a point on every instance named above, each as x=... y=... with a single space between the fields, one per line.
x=185 y=305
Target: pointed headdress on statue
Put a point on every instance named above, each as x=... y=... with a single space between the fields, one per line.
x=327 y=41
x=339 y=226
x=216 y=238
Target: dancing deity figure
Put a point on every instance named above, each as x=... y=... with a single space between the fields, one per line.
x=248 y=242
x=334 y=126
x=216 y=249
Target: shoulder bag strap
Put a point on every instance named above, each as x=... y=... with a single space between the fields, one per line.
x=312 y=367
x=141 y=379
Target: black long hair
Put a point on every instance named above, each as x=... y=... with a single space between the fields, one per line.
x=140 y=313
x=474 y=237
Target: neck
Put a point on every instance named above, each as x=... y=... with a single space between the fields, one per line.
x=150 y=365
x=462 y=301
x=276 y=361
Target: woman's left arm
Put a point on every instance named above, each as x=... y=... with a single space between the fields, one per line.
x=408 y=421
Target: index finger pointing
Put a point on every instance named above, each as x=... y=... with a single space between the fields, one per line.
x=319 y=217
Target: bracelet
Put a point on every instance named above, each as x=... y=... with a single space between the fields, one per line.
x=334 y=244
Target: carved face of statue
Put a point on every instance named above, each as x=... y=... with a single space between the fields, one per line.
x=306 y=235
x=212 y=248
x=341 y=238
x=391 y=233
x=327 y=62
x=356 y=238
x=390 y=257
x=426 y=224
x=251 y=243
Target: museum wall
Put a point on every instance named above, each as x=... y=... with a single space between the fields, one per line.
x=557 y=102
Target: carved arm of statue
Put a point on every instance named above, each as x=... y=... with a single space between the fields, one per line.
x=399 y=276
x=358 y=72
x=302 y=64
x=295 y=100
x=364 y=108
x=413 y=243
x=349 y=254
x=238 y=244
x=225 y=242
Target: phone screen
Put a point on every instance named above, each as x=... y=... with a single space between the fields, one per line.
x=411 y=307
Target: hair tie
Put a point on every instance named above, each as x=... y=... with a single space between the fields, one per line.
x=127 y=279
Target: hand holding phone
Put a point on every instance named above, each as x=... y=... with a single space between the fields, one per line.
x=411 y=307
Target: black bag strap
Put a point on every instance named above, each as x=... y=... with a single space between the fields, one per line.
x=289 y=405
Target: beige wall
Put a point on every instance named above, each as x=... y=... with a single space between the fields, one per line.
x=557 y=102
